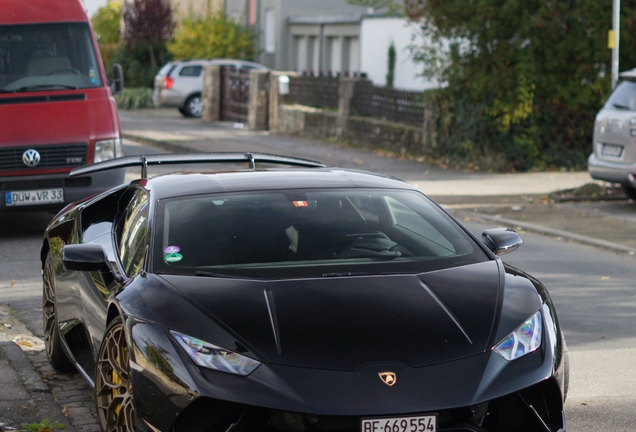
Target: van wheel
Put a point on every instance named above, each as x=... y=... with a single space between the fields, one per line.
x=629 y=190
x=193 y=106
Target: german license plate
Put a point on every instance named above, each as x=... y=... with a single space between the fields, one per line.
x=34 y=197
x=612 y=150
x=422 y=423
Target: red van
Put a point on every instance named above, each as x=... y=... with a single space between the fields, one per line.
x=57 y=111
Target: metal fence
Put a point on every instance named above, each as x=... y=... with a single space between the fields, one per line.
x=399 y=106
x=314 y=91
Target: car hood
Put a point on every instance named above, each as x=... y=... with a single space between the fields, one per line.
x=344 y=323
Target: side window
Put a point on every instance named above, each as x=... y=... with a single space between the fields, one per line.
x=191 y=71
x=134 y=237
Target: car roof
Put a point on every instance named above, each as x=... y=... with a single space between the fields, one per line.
x=630 y=74
x=41 y=11
x=195 y=183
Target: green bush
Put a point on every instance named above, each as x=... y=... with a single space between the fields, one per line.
x=134 y=98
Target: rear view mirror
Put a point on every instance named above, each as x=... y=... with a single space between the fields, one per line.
x=117 y=83
x=84 y=257
x=501 y=241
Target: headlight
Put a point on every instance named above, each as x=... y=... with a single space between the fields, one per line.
x=213 y=357
x=108 y=149
x=524 y=340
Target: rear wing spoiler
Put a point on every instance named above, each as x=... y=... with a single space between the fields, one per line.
x=186 y=158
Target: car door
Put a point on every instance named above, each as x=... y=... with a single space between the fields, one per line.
x=123 y=238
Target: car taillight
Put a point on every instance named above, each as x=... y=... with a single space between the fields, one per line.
x=168 y=83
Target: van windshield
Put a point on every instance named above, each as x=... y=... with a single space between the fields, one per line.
x=42 y=57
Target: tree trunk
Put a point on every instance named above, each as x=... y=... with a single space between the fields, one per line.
x=153 y=60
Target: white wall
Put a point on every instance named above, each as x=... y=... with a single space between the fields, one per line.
x=376 y=35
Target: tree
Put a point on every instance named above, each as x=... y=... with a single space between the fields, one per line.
x=106 y=26
x=211 y=36
x=148 y=24
x=524 y=78
x=390 y=76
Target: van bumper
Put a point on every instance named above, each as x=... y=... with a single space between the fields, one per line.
x=74 y=188
x=614 y=172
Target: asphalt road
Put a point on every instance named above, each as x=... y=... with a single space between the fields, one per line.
x=592 y=289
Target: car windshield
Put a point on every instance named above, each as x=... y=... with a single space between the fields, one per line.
x=39 y=57
x=623 y=97
x=308 y=233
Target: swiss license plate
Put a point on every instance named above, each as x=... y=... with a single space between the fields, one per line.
x=422 y=423
x=34 y=197
x=612 y=150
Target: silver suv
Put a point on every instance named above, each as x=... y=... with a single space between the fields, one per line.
x=179 y=84
x=614 y=146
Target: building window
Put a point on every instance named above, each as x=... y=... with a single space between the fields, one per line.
x=270 y=31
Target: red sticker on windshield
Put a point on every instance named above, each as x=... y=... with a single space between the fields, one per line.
x=300 y=204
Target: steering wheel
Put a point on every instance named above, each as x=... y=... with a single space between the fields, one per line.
x=65 y=70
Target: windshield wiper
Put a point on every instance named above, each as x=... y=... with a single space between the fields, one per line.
x=210 y=274
x=621 y=106
x=345 y=274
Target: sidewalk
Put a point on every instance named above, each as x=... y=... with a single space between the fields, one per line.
x=25 y=397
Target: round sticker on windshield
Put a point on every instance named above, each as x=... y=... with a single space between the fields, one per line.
x=171 y=250
x=172 y=254
x=176 y=257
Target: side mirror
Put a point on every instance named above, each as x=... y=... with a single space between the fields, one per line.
x=501 y=240
x=117 y=83
x=84 y=257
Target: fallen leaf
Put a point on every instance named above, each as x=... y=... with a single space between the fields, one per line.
x=12 y=282
x=25 y=343
x=64 y=411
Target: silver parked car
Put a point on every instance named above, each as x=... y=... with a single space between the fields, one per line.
x=614 y=146
x=180 y=84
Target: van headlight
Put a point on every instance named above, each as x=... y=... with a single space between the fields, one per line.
x=524 y=340
x=107 y=149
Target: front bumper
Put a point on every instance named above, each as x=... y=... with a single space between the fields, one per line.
x=75 y=188
x=614 y=172
x=479 y=393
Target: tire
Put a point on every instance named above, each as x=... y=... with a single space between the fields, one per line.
x=629 y=190
x=193 y=106
x=182 y=111
x=113 y=386
x=52 y=339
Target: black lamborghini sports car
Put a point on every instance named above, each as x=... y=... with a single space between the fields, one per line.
x=286 y=296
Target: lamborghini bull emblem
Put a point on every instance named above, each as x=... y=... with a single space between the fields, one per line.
x=388 y=378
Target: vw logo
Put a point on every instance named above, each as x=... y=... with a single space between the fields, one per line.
x=31 y=158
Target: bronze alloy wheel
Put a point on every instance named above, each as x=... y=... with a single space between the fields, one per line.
x=113 y=388
x=52 y=342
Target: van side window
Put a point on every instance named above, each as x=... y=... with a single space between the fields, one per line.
x=193 y=71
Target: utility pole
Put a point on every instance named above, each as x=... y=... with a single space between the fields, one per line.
x=613 y=40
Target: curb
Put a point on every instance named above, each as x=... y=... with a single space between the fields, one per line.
x=39 y=392
x=23 y=366
x=162 y=145
x=539 y=229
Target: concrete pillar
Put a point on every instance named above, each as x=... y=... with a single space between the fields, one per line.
x=257 y=112
x=275 y=98
x=211 y=95
x=346 y=91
